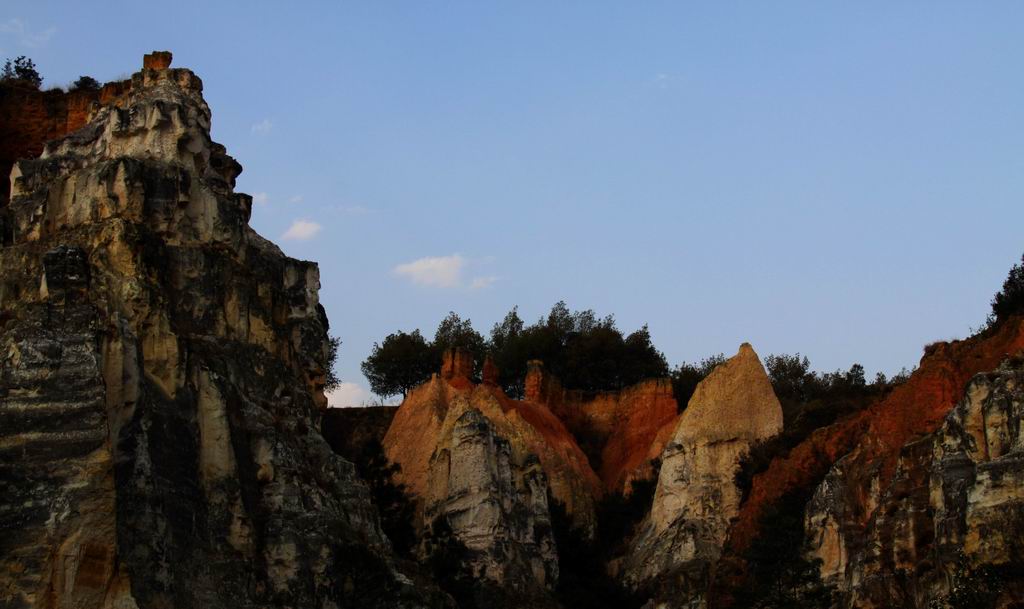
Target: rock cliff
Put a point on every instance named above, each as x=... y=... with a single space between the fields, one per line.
x=949 y=512
x=696 y=497
x=487 y=465
x=161 y=378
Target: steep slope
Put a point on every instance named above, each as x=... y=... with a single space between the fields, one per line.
x=486 y=465
x=625 y=429
x=696 y=498
x=161 y=374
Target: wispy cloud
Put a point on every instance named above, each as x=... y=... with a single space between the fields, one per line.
x=263 y=127
x=260 y=198
x=480 y=283
x=348 y=394
x=295 y=199
x=25 y=35
x=301 y=230
x=434 y=271
x=443 y=272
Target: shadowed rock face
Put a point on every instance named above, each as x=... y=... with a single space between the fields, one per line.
x=697 y=497
x=626 y=429
x=161 y=375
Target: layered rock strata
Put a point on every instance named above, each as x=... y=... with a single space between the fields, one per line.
x=161 y=375
x=697 y=498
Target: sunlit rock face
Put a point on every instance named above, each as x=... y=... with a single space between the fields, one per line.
x=488 y=466
x=952 y=516
x=696 y=496
x=161 y=378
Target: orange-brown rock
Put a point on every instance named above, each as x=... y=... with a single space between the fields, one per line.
x=629 y=427
x=633 y=425
x=157 y=60
x=457 y=367
x=485 y=465
x=490 y=371
x=879 y=432
x=420 y=425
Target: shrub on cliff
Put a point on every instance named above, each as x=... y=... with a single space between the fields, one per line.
x=21 y=71
x=333 y=380
x=1010 y=300
x=85 y=83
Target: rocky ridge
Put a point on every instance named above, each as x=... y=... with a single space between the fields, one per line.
x=161 y=379
x=697 y=497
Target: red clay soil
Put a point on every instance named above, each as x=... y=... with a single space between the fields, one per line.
x=29 y=118
x=643 y=412
x=878 y=433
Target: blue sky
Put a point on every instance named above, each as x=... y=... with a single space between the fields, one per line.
x=839 y=179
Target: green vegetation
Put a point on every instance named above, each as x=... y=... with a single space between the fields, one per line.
x=333 y=380
x=583 y=580
x=400 y=363
x=585 y=352
x=85 y=83
x=1010 y=300
x=810 y=400
x=779 y=577
x=21 y=71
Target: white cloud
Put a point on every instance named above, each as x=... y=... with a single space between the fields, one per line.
x=348 y=394
x=260 y=198
x=482 y=282
x=26 y=36
x=439 y=271
x=302 y=230
x=295 y=199
x=263 y=127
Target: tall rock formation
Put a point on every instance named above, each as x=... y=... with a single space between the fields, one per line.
x=697 y=498
x=161 y=376
x=486 y=465
x=950 y=512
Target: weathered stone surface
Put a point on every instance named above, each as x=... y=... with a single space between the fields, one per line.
x=953 y=505
x=697 y=498
x=161 y=379
x=628 y=429
x=495 y=502
x=485 y=464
